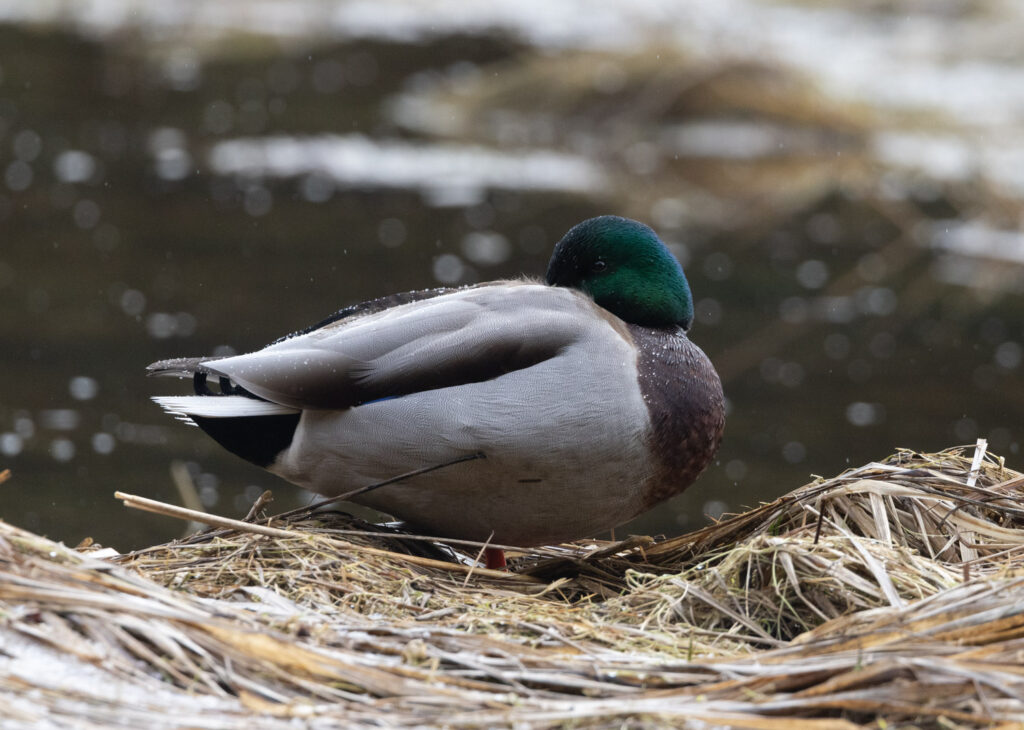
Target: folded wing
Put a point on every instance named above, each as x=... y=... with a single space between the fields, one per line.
x=468 y=336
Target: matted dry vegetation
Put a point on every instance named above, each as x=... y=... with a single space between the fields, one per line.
x=892 y=594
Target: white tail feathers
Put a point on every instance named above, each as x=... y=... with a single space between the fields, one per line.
x=183 y=407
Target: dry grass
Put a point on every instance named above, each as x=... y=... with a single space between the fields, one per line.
x=893 y=592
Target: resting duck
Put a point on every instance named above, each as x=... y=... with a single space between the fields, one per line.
x=585 y=397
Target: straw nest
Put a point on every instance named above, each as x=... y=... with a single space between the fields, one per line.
x=891 y=594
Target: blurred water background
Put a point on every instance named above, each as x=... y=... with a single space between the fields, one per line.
x=843 y=182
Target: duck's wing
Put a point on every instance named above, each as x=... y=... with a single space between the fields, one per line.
x=372 y=306
x=187 y=366
x=467 y=336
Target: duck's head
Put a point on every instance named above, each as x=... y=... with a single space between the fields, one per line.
x=626 y=268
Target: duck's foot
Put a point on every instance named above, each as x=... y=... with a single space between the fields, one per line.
x=495 y=558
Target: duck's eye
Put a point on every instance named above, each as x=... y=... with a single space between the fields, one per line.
x=598 y=266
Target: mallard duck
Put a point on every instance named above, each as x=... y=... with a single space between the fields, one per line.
x=583 y=395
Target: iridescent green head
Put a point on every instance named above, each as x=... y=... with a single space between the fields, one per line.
x=626 y=268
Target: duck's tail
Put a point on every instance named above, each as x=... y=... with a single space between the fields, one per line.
x=187 y=407
x=256 y=430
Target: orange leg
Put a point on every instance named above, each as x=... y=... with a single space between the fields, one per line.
x=495 y=558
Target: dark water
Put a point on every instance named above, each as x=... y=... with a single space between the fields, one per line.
x=842 y=317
